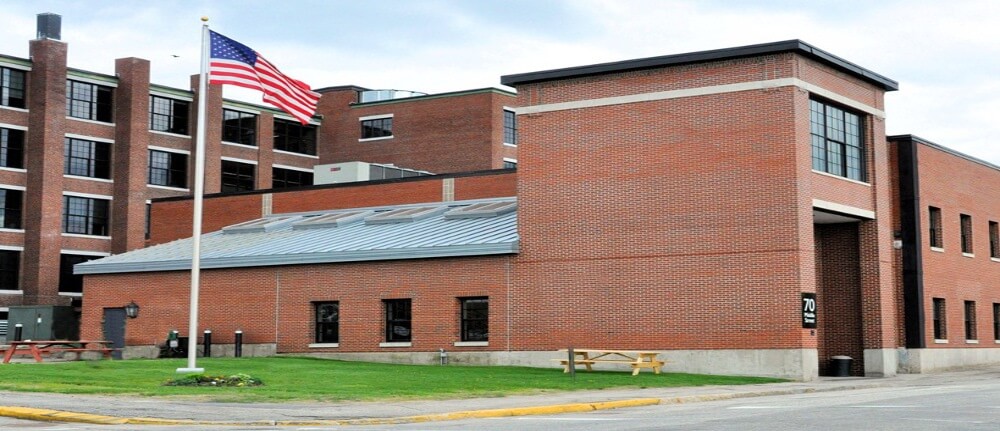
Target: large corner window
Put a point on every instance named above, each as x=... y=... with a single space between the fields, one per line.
x=169 y=115
x=69 y=282
x=239 y=127
x=10 y=267
x=509 y=127
x=85 y=216
x=936 y=235
x=294 y=137
x=11 y=148
x=475 y=319
x=168 y=169
x=237 y=177
x=966 y=226
x=398 y=323
x=10 y=208
x=85 y=158
x=372 y=128
x=940 y=323
x=11 y=87
x=327 y=322
x=88 y=101
x=283 y=178
x=837 y=141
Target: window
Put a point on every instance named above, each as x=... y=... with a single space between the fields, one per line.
x=168 y=169
x=376 y=128
x=996 y=321
x=85 y=216
x=937 y=237
x=397 y=320
x=11 y=87
x=87 y=158
x=12 y=148
x=970 y=320
x=4 y=315
x=509 y=164
x=149 y=211
x=994 y=239
x=88 y=101
x=237 y=177
x=10 y=208
x=327 y=322
x=239 y=127
x=940 y=329
x=69 y=282
x=837 y=144
x=168 y=115
x=475 y=319
x=294 y=137
x=509 y=127
x=966 y=223
x=283 y=178
x=10 y=267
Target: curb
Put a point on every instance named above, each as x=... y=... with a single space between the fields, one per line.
x=64 y=416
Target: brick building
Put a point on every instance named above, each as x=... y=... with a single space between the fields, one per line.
x=83 y=154
x=747 y=215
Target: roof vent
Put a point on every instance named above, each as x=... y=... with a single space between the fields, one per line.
x=404 y=215
x=483 y=209
x=49 y=26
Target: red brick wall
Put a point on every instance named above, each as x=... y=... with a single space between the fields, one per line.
x=433 y=285
x=959 y=186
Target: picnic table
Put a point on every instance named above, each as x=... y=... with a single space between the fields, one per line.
x=40 y=348
x=637 y=359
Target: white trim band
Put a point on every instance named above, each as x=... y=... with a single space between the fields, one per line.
x=843 y=209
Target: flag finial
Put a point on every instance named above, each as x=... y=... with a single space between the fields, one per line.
x=204 y=19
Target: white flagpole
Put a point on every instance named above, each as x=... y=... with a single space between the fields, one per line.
x=199 y=191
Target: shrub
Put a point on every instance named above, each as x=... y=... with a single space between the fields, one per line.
x=235 y=380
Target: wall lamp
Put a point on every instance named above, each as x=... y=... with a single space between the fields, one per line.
x=132 y=310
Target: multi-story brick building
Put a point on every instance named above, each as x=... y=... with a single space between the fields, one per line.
x=748 y=216
x=83 y=153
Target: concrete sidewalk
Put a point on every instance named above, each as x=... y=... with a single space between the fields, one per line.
x=140 y=410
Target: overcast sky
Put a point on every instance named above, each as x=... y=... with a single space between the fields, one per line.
x=944 y=54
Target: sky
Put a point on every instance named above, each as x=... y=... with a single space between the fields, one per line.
x=944 y=54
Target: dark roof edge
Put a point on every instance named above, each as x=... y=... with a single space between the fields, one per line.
x=940 y=147
x=794 y=45
x=486 y=172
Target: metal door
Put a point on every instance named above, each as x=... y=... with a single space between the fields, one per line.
x=114 y=329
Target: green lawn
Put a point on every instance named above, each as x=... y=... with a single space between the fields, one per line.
x=310 y=379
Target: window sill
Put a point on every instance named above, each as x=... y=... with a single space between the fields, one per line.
x=103 y=123
x=971 y=341
x=380 y=138
x=472 y=343
x=509 y=145
x=3 y=229
x=234 y=144
x=21 y=292
x=72 y=294
x=401 y=344
x=4 y=168
x=995 y=259
x=937 y=249
x=80 y=235
x=174 y=189
x=827 y=174
x=323 y=345
x=100 y=180
x=177 y=135
x=13 y=108
x=937 y=341
x=968 y=254
x=292 y=153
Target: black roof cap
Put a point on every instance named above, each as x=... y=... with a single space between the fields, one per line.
x=796 y=45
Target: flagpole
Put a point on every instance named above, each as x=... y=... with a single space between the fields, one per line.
x=199 y=191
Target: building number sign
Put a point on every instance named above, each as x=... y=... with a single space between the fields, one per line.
x=808 y=310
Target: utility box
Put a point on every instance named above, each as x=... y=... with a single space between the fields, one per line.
x=44 y=322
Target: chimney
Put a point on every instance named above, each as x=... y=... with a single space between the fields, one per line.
x=49 y=26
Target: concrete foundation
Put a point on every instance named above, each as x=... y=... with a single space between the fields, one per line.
x=918 y=361
x=881 y=362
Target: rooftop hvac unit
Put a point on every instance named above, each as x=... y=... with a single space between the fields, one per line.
x=349 y=172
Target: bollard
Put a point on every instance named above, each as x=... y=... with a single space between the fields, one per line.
x=444 y=357
x=239 y=345
x=17 y=332
x=207 y=342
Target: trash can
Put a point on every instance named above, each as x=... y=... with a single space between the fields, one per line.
x=840 y=366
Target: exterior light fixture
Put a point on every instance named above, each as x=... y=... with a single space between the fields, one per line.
x=132 y=310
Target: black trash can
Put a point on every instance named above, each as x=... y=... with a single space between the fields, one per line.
x=840 y=366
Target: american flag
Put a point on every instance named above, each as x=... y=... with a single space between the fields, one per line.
x=234 y=63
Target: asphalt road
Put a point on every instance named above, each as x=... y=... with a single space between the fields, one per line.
x=969 y=403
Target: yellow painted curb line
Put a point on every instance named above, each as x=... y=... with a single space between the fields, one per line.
x=63 y=416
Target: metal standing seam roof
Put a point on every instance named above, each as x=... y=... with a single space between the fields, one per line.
x=280 y=243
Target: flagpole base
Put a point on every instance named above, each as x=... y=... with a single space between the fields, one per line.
x=191 y=370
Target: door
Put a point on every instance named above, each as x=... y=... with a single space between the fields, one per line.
x=114 y=329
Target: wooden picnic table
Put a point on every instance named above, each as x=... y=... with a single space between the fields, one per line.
x=637 y=359
x=39 y=348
